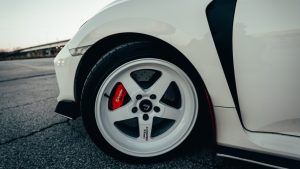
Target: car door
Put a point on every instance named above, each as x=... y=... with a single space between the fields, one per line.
x=266 y=56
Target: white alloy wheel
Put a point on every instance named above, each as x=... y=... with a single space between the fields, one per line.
x=156 y=115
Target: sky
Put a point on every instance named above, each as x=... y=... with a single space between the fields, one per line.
x=25 y=23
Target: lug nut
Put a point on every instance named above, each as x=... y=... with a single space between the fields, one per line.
x=156 y=109
x=145 y=117
x=152 y=96
x=138 y=97
x=134 y=110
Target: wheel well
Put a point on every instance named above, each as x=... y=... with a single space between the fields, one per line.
x=100 y=48
x=96 y=51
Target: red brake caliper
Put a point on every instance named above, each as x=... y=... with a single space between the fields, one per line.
x=118 y=97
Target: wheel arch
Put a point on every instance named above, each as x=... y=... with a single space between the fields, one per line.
x=104 y=45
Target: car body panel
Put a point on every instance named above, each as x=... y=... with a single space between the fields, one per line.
x=65 y=69
x=230 y=133
x=266 y=50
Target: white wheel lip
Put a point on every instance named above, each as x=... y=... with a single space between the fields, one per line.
x=169 y=147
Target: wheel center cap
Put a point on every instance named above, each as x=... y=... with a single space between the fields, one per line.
x=146 y=105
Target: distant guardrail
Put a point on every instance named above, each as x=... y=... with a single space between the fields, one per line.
x=40 y=51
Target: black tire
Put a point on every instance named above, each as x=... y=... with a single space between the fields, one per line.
x=123 y=54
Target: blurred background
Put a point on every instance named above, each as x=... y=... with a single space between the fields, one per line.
x=39 y=28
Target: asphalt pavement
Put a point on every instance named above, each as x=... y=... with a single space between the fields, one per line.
x=32 y=135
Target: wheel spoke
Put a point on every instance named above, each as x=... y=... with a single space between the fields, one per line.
x=145 y=128
x=169 y=112
x=130 y=85
x=122 y=113
x=161 y=85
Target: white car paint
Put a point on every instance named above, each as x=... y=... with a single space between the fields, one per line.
x=267 y=64
x=65 y=69
x=266 y=104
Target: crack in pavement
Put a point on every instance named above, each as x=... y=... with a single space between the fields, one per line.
x=32 y=133
x=26 y=104
x=27 y=77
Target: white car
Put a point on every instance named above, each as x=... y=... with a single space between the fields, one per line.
x=150 y=78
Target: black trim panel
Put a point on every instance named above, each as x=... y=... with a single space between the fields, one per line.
x=259 y=157
x=220 y=15
x=68 y=108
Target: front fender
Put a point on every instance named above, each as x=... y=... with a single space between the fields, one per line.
x=182 y=24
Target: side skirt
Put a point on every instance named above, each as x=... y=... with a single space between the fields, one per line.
x=257 y=158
